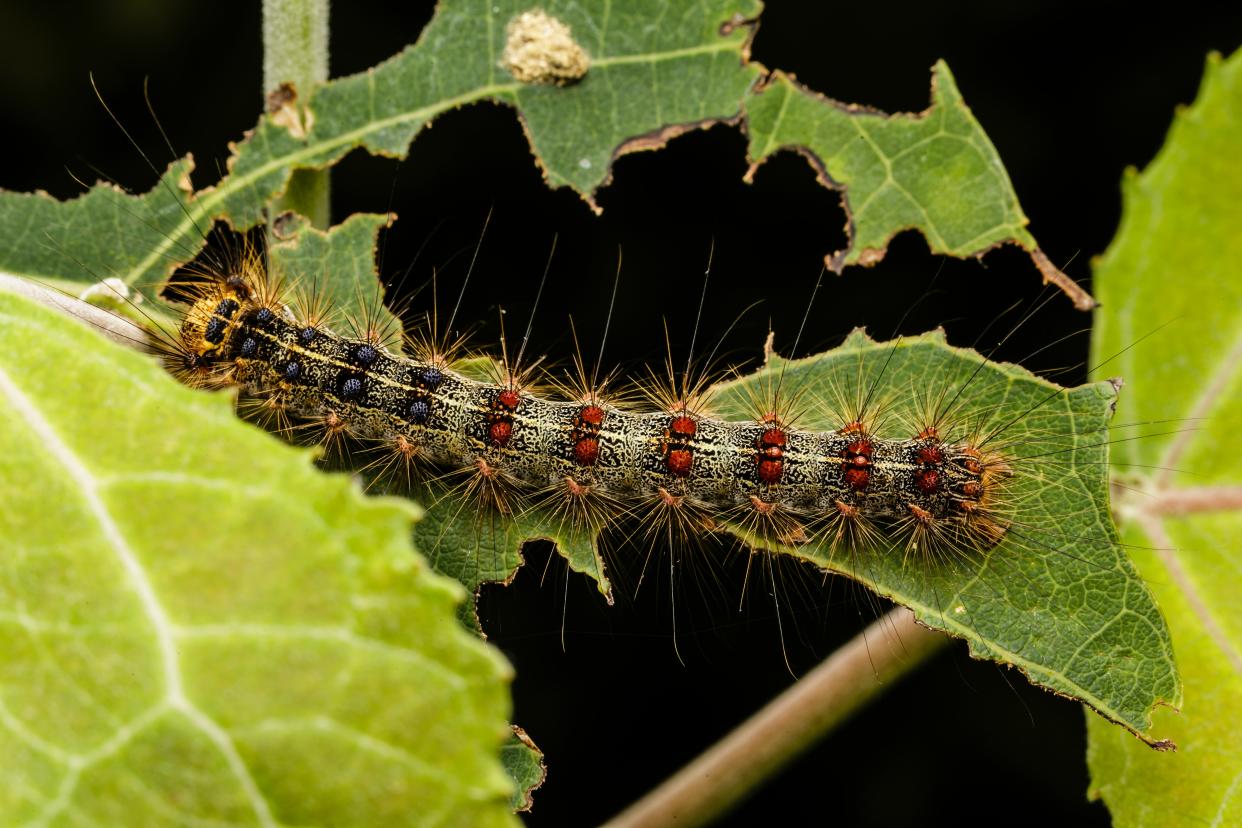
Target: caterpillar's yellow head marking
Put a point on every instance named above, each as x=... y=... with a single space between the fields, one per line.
x=224 y=284
x=209 y=327
x=211 y=321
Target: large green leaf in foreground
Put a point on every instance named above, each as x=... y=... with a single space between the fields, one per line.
x=1171 y=284
x=198 y=627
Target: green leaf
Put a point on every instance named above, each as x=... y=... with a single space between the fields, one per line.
x=1172 y=313
x=336 y=269
x=478 y=546
x=103 y=233
x=198 y=626
x=654 y=72
x=1057 y=598
x=523 y=761
x=936 y=172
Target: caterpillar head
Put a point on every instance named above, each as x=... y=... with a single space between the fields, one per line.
x=209 y=329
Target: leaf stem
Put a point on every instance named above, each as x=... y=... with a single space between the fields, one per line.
x=295 y=50
x=792 y=722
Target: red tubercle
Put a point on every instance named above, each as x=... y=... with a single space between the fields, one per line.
x=678 y=445
x=930 y=455
x=860 y=449
x=770 y=457
x=857 y=478
x=927 y=480
x=679 y=462
x=853 y=427
x=586 y=451
x=683 y=426
x=856 y=463
x=773 y=437
x=500 y=418
x=770 y=471
x=499 y=432
x=586 y=428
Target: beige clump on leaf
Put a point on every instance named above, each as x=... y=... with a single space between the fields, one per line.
x=282 y=105
x=541 y=49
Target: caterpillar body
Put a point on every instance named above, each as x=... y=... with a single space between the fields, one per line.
x=765 y=472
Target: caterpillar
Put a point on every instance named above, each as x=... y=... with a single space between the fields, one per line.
x=588 y=455
x=966 y=488
x=939 y=480
x=926 y=473
x=970 y=490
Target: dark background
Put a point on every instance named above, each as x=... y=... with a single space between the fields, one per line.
x=1070 y=93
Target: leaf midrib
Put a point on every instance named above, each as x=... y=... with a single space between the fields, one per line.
x=205 y=207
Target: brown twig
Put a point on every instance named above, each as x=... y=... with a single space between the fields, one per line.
x=794 y=721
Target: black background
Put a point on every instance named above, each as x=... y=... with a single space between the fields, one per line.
x=1070 y=93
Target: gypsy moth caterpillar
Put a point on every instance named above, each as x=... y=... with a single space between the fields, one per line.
x=585 y=292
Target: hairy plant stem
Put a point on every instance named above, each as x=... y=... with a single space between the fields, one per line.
x=111 y=325
x=792 y=722
x=295 y=50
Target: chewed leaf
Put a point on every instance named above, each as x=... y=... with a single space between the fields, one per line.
x=936 y=172
x=478 y=546
x=1172 y=316
x=199 y=627
x=651 y=75
x=105 y=233
x=523 y=761
x=590 y=81
x=1057 y=597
